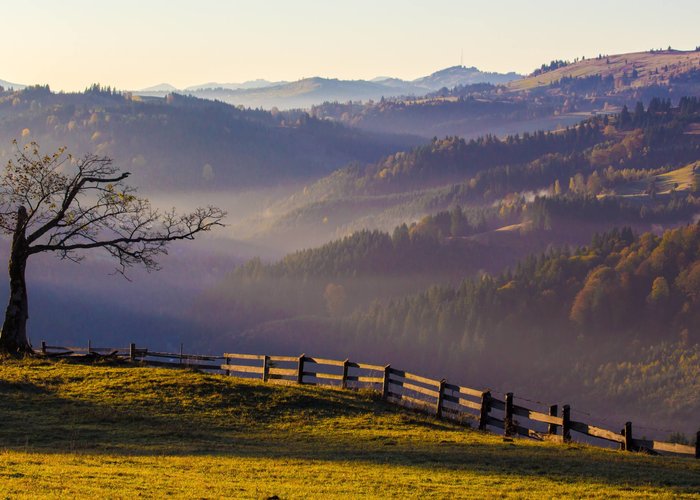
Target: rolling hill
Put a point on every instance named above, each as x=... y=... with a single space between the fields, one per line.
x=612 y=157
x=185 y=143
x=307 y=92
x=555 y=96
x=90 y=431
x=633 y=70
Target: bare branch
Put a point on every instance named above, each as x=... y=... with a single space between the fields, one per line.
x=74 y=206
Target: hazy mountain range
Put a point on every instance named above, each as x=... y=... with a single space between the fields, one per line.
x=316 y=90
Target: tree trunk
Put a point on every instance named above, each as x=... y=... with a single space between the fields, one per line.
x=13 y=338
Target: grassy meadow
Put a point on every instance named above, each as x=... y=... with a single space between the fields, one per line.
x=646 y=63
x=70 y=429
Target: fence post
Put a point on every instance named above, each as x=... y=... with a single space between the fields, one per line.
x=697 y=445
x=441 y=396
x=226 y=362
x=89 y=347
x=385 y=382
x=627 y=432
x=132 y=351
x=266 y=368
x=43 y=347
x=181 y=349
x=508 y=418
x=566 y=423
x=485 y=409
x=346 y=364
x=300 y=369
x=552 y=428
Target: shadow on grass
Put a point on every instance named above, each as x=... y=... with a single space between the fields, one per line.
x=196 y=414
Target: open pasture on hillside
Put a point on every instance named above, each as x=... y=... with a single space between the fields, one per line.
x=652 y=67
x=81 y=430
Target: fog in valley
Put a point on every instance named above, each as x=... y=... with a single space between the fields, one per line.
x=536 y=235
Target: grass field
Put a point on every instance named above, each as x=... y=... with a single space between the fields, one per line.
x=681 y=180
x=77 y=430
x=668 y=63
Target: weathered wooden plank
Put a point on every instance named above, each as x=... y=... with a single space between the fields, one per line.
x=415 y=388
x=193 y=366
x=524 y=431
x=243 y=368
x=414 y=377
x=103 y=349
x=322 y=361
x=182 y=356
x=58 y=354
x=681 y=449
x=463 y=402
x=409 y=399
x=464 y=390
x=328 y=376
x=494 y=422
x=497 y=404
x=244 y=356
x=598 y=432
x=367 y=380
x=287 y=372
x=521 y=411
x=285 y=359
x=365 y=366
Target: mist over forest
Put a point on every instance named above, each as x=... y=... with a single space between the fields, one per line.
x=536 y=234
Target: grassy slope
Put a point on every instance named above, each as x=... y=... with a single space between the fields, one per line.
x=75 y=430
x=644 y=62
x=682 y=179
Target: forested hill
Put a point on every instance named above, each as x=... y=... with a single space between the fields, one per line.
x=642 y=288
x=186 y=143
x=635 y=70
x=555 y=95
x=641 y=137
x=625 y=307
x=348 y=273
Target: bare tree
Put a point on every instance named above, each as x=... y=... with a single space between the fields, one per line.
x=57 y=203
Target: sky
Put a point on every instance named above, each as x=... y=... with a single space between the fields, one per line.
x=132 y=44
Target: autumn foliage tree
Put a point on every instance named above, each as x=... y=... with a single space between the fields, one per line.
x=61 y=204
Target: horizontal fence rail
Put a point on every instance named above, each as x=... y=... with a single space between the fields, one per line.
x=436 y=397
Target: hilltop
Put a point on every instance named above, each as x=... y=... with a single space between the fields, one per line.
x=633 y=70
x=9 y=85
x=556 y=95
x=93 y=430
x=183 y=142
x=307 y=92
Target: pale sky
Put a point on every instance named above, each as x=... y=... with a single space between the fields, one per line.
x=132 y=44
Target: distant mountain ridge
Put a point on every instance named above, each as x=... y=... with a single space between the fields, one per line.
x=9 y=85
x=307 y=92
x=250 y=84
x=461 y=75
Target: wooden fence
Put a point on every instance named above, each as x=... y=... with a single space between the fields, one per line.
x=437 y=397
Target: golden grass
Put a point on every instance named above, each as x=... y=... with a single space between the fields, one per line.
x=681 y=179
x=73 y=430
x=646 y=63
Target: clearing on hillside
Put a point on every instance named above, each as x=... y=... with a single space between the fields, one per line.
x=84 y=430
x=652 y=68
